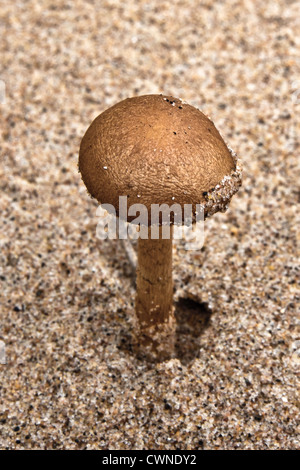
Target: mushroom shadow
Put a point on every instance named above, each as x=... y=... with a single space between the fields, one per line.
x=192 y=320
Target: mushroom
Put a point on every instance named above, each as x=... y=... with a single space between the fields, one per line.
x=157 y=149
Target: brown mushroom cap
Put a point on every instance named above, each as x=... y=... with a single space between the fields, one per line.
x=155 y=149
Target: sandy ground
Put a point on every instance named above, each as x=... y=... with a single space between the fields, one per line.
x=69 y=378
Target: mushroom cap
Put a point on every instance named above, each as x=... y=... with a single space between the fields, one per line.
x=156 y=149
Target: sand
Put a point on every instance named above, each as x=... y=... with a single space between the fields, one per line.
x=69 y=378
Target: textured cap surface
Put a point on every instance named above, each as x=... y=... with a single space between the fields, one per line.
x=154 y=149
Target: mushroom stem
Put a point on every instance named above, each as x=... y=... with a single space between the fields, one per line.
x=154 y=299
